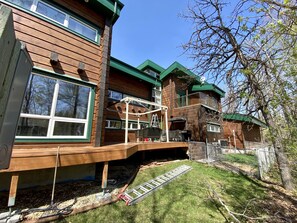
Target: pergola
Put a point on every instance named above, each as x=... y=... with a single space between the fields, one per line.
x=157 y=106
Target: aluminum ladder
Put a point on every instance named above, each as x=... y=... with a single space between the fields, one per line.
x=155 y=121
x=136 y=194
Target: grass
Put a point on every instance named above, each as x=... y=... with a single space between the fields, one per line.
x=242 y=159
x=186 y=199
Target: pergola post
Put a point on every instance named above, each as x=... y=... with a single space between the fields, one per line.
x=138 y=127
x=126 y=124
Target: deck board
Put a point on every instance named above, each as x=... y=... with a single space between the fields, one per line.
x=33 y=159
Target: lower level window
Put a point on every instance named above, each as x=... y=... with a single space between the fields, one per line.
x=53 y=108
x=213 y=128
x=113 y=124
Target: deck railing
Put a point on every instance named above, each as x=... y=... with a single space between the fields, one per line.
x=195 y=99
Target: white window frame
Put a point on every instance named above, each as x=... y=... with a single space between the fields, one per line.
x=151 y=73
x=108 y=122
x=157 y=95
x=53 y=119
x=131 y=123
x=213 y=128
x=111 y=95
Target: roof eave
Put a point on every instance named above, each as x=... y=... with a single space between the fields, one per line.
x=112 y=8
x=152 y=65
x=128 y=69
x=176 y=66
x=209 y=87
x=244 y=118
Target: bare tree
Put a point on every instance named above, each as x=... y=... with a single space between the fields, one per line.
x=245 y=48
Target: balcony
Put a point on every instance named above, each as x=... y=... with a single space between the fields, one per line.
x=198 y=98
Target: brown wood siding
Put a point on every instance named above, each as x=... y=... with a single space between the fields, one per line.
x=229 y=126
x=130 y=85
x=42 y=37
x=252 y=133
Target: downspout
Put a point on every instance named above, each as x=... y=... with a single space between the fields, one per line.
x=115 y=8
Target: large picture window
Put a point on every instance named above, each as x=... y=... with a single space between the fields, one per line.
x=54 y=14
x=54 y=108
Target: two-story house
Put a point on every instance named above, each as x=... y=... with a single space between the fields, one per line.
x=64 y=105
x=74 y=95
x=193 y=105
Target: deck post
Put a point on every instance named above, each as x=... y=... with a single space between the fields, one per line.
x=13 y=189
x=166 y=124
x=104 y=176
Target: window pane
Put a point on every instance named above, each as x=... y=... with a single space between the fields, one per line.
x=50 y=12
x=32 y=127
x=82 y=29
x=115 y=124
x=115 y=95
x=72 y=101
x=69 y=129
x=39 y=95
x=23 y=3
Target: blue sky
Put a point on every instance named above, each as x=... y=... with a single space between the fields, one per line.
x=151 y=29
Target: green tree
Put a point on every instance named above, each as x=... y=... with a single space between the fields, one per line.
x=251 y=49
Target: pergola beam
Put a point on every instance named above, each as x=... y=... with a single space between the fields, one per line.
x=128 y=100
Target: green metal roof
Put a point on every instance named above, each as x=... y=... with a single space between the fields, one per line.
x=208 y=87
x=244 y=118
x=151 y=65
x=128 y=69
x=111 y=8
x=176 y=67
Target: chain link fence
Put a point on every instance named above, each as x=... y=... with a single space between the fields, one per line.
x=266 y=158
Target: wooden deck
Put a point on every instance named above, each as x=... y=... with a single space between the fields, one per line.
x=33 y=159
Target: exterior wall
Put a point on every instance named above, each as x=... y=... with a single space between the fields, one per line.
x=124 y=83
x=229 y=126
x=191 y=114
x=251 y=132
x=172 y=85
x=196 y=115
x=247 y=135
x=43 y=37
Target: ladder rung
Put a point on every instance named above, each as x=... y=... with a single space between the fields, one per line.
x=136 y=192
x=165 y=178
x=155 y=182
x=144 y=189
x=149 y=185
x=160 y=180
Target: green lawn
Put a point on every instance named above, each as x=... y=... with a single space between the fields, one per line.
x=186 y=199
x=241 y=158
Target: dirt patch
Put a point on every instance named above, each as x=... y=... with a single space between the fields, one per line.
x=35 y=203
